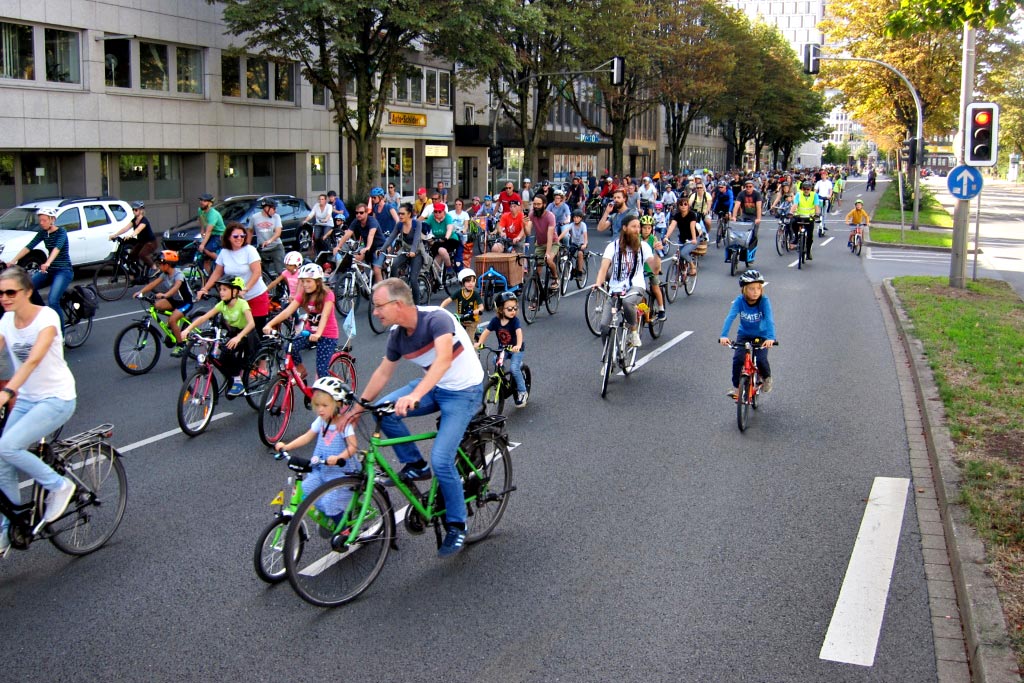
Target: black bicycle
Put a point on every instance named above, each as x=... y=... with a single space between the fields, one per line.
x=115 y=275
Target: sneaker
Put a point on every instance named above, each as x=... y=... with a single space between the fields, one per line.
x=733 y=393
x=237 y=388
x=808 y=258
x=660 y=315
x=453 y=543
x=57 y=501
x=634 y=339
x=766 y=385
x=178 y=351
x=414 y=472
x=521 y=398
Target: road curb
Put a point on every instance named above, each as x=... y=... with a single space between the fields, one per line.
x=984 y=624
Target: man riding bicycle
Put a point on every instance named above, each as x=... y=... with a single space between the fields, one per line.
x=748 y=205
x=806 y=205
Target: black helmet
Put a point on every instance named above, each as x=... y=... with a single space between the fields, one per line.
x=807 y=185
x=501 y=297
x=267 y=201
x=751 y=276
x=578 y=213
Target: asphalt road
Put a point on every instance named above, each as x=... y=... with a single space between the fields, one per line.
x=649 y=540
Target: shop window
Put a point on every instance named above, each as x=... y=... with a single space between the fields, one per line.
x=62 y=56
x=117 y=65
x=153 y=67
x=16 y=51
x=262 y=173
x=234 y=174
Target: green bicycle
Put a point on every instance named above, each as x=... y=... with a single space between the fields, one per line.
x=137 y=347
x=340 y=561
x=269 y=556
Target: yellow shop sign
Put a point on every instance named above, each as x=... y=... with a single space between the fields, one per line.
x=404 y=118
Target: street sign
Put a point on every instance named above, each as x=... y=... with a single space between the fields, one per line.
x=964 y=182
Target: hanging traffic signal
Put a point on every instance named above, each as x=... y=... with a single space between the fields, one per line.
x=981 y=146
x=618 y=71
x=812 y=58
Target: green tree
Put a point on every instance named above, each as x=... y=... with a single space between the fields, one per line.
x=916 y=16
x=336 y=42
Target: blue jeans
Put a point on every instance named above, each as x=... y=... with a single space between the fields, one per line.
x=28 y=422
x=516 y=368
x=59 y=280
x=457 y=409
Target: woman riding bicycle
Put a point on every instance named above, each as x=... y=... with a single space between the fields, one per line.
x=143 y=238
x=45 y=389
x=56 y=270
x=406 y=240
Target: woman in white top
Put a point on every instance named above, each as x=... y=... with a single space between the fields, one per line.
x=238 y=259
x=45 y=391
x=322 y=216
x=460 y=217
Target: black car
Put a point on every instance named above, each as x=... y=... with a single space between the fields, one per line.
x=292 y=210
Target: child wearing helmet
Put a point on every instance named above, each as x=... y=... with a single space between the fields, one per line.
x=858 y=216
x=578 y=240
x=651 y=271
x=510 y=336
x=174 y=295
x=660 y=220
x=468 y=305
x=290 y=274
x=317 y=300
x=756 y=322
x=335 y=444
x=239 y=321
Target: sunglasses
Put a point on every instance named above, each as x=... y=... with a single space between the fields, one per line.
x=10 y=293
x=511 y=309
x=238 y=237
x=360 y=213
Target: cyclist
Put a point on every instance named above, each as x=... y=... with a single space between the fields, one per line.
x=335 y=445
x=56 y=270
x=756 y=322
x=783 y=200
x=444 y=242
x=340 y=211
x=507 y=196
x=239 y=322
x=241 y=260
x=578 y=240
x=290 y=274
x=366 y=230
x=45 y=392
x=838 y=185
x=661 y=217
x=175 y=295
x=559 y=208
x=669 y=198
x=407 y=242
x=211 y=225
x=651 y=271
x=383 y=211
x=265 y=227
x=431 y=338
x=321 y=323
x=615 y=214
x=322 y=216
x=748 y=202
x=689 y=233
x=460 y=218
x=620 y=266
x=700 y=204
x=648 y=193
x=806 y=205
x=541 y=224
x=857 y=217
x=824 y=190
x=468 y=305
x=143 y=239
x=722 y=200
x=511 y=229
x=509 y=331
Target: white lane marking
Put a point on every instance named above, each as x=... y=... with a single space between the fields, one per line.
x=578 y=291
x=852 y=636
x=77 y=466
x=164 y=435
x=826 y=241
x=111 y=317
x=794 y=263
x=658 y=351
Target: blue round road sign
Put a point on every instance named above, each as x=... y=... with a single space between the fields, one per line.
x=964 y=182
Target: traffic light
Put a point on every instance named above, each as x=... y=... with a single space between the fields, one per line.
x=909 y=151
x=812 y=58
x=496 y=155
x=981 y=146
x=618 y=71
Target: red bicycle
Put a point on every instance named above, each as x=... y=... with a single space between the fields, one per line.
x=750 y=381
x=279 y=398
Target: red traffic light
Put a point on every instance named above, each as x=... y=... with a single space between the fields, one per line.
x=983 y=117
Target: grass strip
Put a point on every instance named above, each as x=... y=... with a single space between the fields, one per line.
x=915 y=237
x=930 y=211
x=974 y=340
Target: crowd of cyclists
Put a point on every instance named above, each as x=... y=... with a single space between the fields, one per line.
x=641 y=217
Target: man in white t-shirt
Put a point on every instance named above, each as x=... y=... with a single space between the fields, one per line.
x=824 y=189
x=433 y=339
x=648 y=194
x=623 y=266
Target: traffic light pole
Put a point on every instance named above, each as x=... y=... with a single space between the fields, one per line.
x=962 y=212
x=919 y=137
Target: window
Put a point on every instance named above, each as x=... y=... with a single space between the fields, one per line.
x=396 y=168
x=234 y=174
x=417 y=86
x=190 y=70
x=70 y=220
x=62 y=56
x=147 y=176
x=444 y=89
x=16 y=52
x=153 y=67
x=230 y=77
x=117 y=64
x=262 y=173
x=8 y=193
x=468 y=114
x=290 y=208
x=319 y=95
x=119 y=213
x=401 y=88
x=264 y=80
x=257 y=79
x=95 y=215
x=318 y=171
x=39 y=176
x=166 y=176
x=350 y=86
x=283 y=82
x=431 y=77
x=133 y=172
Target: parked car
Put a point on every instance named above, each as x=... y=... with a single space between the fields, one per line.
x=292 y=210
x=89 y=222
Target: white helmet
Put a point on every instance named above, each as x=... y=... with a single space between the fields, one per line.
x=293 y=258
x=47 y=211
x=311 y=271
x=466 y=272
x=333 y=387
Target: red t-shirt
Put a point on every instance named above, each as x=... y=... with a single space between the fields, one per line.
x=511 y=226
x=505 y=197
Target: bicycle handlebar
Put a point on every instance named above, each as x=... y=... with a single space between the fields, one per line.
x=737 y=345
x=296 y=463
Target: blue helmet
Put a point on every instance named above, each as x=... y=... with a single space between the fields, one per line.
x=377 y=192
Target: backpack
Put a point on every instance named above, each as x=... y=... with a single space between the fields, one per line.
x=84 y=300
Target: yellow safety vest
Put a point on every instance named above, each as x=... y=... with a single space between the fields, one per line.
x=804 y=205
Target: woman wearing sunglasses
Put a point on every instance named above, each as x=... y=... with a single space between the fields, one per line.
x=238 y=259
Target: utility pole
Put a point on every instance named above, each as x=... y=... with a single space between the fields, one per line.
x=962 y=212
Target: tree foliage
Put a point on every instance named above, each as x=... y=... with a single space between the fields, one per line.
x=916 y=16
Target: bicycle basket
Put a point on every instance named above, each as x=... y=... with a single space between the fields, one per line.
x=84 y=299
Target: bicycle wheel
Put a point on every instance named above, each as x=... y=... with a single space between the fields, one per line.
x=329 y=568
x=375 y=324
x=276 y=411
x=690 y=281
x=564 y=275
x=75 y=333
x=190 y=358
x=597 y=299
x=265 y=366
x=268 y=560
x=628 y=358
x=197 y=400
x=494 y=396
x=608 y=359
x=487 y=486
x=345 y=294
x=720 y=234
x=655 y=325
x=531 y=300
x=452 y=286
x=672 y=281
x=858 y=244
x=344 y=369
x=802 y=245
x=111 y=281
x=584 y=274
x=734 y=261
x=424 y=297
x=527 y=377
x=742 y=405
x=98 y=505
x=551 y=299
x=780 y=241
x=137 y=348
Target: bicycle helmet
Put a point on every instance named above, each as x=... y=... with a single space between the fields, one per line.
x=502 y=297
x=377 y=192
x=466 y=272
x=232 y=282
x=293 y=258
x=167 y=256
x=138 y=205
x=47 y=211
x=646 y=220
x=267 y=201
x=578 y=213
x=751 y=276
x=311 y=271
x=333 y=387
x=807 y=185
x=487 y=198
x=859 y=201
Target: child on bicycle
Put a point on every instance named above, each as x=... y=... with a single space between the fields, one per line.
x=237 y=317
x=509 y=330
x=857 y=217
x=660 y=220
x=653 y=282
x=321 y=323
x=578 y=240
x=468 y=305
x=175 y=295
x=290 y=274
x=335 y=444
x=756 y=322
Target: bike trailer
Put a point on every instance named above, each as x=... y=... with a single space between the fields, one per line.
x=739 y=237
x=84 y=300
